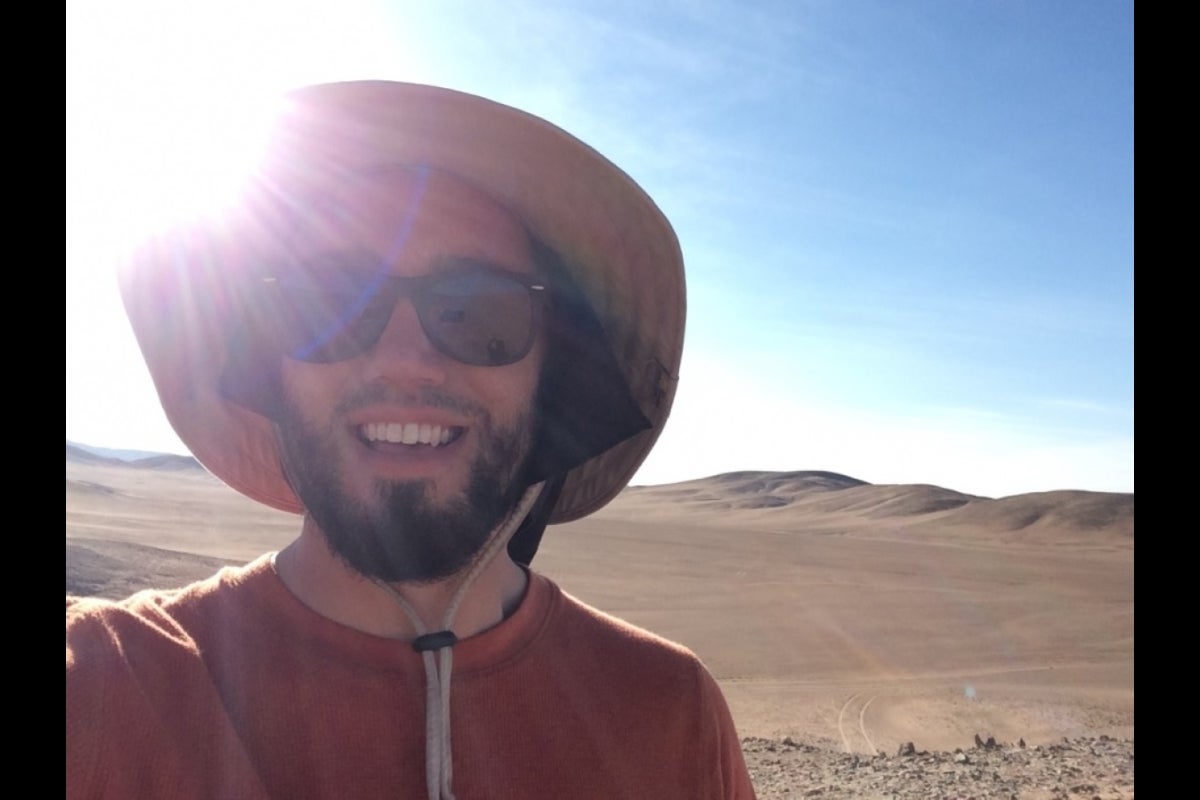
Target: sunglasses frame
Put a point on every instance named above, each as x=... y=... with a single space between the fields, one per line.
x=377 y=292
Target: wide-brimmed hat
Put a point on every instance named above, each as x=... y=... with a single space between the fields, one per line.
x=613 y=240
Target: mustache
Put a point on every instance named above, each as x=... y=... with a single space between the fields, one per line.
x=426 y=397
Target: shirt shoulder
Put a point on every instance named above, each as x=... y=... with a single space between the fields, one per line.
x=166 y=617
x=136 y=677
x=658 y=692
x=595 y=634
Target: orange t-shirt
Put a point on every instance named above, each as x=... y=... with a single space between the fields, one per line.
x=232 y=688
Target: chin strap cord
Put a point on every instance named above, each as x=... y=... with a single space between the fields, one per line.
x=439 y=765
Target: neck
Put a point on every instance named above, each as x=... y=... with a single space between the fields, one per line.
x=330 y=587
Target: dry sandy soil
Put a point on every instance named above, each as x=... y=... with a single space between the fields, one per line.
x=842 y=619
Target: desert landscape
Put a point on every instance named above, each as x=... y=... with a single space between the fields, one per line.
x=862 y=633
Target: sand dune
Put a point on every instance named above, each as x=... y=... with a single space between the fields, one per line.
x=841 y=613
x=815 y=501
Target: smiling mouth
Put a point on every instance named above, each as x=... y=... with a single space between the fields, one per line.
x=409 y=433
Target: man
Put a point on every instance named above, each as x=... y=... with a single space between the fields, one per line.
x=432 y=324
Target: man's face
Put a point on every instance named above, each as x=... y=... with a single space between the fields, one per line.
x=415 y=511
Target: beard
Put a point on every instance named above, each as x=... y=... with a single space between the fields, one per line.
x=398 y=534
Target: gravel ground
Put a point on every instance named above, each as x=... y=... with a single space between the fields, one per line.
x=1073 y=769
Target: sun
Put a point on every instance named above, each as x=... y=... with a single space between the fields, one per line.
x=167 y=104
x=167 y=100
x=154 y=132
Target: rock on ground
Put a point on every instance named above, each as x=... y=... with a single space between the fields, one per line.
x=1072 y=769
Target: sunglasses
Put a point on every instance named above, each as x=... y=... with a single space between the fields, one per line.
x=472 y=312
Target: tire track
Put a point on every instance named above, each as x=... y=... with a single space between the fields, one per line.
x=855 y=738
x=862 y=724
x=841 y=720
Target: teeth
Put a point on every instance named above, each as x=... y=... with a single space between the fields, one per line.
x=411 y=432
x=407 y=433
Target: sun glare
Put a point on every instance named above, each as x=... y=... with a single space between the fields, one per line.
x=163 y=142
x=167 y=101
x=166 y=105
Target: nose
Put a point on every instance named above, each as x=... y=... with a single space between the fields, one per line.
x=403 y=354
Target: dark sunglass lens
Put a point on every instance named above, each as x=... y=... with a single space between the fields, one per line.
x=325 y=323
x=481 y=318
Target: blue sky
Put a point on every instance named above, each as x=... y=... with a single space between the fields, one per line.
x=908 y=227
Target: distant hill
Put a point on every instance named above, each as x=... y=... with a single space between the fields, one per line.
x=85 y=456
x=112 y=453
x=1081 y=510
x=167 y=461
x=750 y=489
x=829 y=500
x=88 y=454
